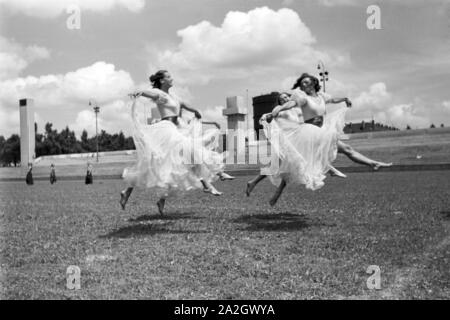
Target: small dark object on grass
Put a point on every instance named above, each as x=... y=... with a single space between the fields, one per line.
x=29 y=178
x=88 y=179
x=446 y=214
x=52 y=174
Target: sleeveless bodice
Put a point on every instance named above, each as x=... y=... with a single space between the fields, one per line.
x=168 y=105
x=311 y=106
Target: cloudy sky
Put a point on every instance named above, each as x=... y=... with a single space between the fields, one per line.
x=397 y=75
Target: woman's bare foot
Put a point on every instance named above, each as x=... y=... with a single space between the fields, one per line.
x=275 y=198
x=161 y=202
x=377 y=165
x=213 y=191
x=209 y=188
x=224 y=176
x=250 y=187
x=278 y=193
x=336 y=173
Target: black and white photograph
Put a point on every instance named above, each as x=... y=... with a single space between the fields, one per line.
x=238 y=153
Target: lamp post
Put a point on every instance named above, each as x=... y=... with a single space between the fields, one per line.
x=322 y=73
x=96 y=110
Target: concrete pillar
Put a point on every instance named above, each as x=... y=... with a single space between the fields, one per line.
x=27 y=139
x=237 y=131
x=236 y=113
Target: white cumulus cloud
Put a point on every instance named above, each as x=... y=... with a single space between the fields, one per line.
x=14 y=57
x=256 y=43
x=61 y=98
x=113 y=117
x=446 y=105
x=378 y=103
x=215 y=114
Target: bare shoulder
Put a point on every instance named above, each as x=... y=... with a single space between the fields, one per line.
x=325 y=96
x=298 y=96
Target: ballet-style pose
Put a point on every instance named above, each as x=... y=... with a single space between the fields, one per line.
x=160 y=163
x=311 y=101
x=288 y=121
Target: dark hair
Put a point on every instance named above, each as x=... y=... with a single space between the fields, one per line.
x=279 y=96
x=155 y=79
x=304 y=76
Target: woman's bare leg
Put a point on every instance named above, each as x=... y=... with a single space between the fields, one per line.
x=161 y=203
x=278 y=193
x=252 y=184
x=124 y=195
x=359 y=158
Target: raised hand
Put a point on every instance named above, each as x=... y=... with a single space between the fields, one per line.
x=348 y=102
x=135 y=95
x=197 y=114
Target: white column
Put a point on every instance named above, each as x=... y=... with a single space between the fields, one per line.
x=236 y=113
x=27 y=139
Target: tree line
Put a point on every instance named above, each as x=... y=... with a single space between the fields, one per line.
x=52 y=142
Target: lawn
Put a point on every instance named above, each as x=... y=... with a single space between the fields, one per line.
x=311 y=245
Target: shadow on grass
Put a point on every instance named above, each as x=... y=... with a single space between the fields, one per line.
x=445 y=214
x=277 y=222
x=140 y=230
x=167 y=217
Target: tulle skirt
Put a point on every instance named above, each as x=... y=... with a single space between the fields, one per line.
x=303 y=154
x=173 y=157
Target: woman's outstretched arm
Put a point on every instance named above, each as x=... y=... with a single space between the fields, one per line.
x=339 y=100
x=288 y=105
x=213 y=123
x=147 y=93
x=184 y=106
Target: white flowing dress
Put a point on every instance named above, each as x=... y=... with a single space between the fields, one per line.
x=173 y=157
x=302 y=153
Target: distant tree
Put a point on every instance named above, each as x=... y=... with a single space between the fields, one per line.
x=39 y=144
x=432 y=126
x=104 y=141
x=52 y=142
x=408 y=127
x=363 y=126
x=129 y=144
x=121 y=141
x=85 y=141
x=68 y=141
x=48 y=129
x=11 y=150
x=442 y=125
x=2 y=145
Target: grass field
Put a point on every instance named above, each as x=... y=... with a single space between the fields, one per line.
x=311 y=245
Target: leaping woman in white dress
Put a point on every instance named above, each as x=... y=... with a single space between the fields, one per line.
x=308 y=153
x=287 y=122
x=165 y=149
